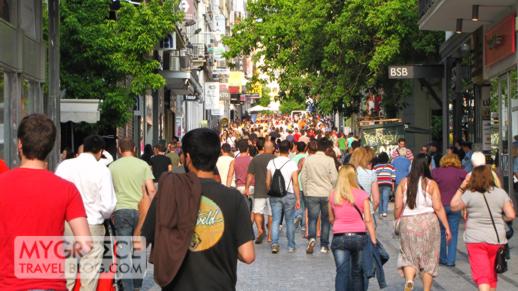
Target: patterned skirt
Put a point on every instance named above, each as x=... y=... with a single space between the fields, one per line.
x=420 y=240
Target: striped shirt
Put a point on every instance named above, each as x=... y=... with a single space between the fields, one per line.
x=386 y=174
x=395 y=154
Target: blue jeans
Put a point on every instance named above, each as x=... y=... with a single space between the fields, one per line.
x=347 y=251
x=300 y=212
x=385 y=191
x=124 y=222
x=286 y=203
x=448 y=253
x=318 y=205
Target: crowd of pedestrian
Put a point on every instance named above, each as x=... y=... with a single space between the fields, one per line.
x=197 y=201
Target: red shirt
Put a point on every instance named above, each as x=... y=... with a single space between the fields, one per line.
x=33 y=203
x=296 y=137
x=3 y=167
x=241 y=164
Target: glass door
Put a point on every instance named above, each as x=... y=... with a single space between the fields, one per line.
x=508 y=104
x=513 y=141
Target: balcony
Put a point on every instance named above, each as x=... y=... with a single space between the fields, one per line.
x=441 y=15
x=198 y=54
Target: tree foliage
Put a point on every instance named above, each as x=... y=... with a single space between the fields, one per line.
x=332 y=49
x=112 y=59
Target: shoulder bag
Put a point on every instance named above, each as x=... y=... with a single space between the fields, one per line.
x=500 y=261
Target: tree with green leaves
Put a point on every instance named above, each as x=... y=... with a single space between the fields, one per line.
x=331 y=49
x=112 y=59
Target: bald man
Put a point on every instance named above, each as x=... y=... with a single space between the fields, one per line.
x=257 y=171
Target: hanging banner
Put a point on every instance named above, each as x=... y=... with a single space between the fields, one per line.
x=211 y=95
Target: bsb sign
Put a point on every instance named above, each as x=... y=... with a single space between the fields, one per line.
x=415 y=72
x=401 y=72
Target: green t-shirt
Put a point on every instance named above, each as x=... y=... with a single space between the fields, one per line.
x=129 y=175
x=342 y=144
x=297 y=159
x=175 y=159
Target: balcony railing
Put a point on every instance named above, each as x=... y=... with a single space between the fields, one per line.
x=424 y=6
x=199 y=51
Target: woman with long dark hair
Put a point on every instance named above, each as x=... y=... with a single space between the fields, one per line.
x=417 y=207
x=148 y=153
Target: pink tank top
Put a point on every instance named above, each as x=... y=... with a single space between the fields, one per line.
x=241 y=164
x=347 y=218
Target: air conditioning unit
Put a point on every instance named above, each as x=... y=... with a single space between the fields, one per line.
x=174 y=61
x=185 y=63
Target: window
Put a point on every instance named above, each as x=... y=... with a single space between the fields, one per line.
x=8 y=10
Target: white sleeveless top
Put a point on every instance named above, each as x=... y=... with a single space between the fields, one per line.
x=223 y=165
x=423 y=201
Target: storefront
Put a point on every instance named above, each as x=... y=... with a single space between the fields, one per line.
x=501 y=69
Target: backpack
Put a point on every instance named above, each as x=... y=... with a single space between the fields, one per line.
x=278 y=185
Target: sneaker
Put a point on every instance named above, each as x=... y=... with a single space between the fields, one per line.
x=409 y=286
x=275 y=249
x=311 y=246
x=291 y=250
x=324 y=250
x=384 y=215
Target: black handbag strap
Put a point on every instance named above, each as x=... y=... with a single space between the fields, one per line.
x=492 y=220
x=357 y=209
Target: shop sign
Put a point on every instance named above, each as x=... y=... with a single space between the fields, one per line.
x=212 y=95
x=383 y=138
x=500 y=41
x=415 y=72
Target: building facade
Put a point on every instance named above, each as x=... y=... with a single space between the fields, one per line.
x=22 y=69
x=480 y=81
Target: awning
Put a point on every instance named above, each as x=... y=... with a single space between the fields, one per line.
x=182 y=83
x=80 y=110
x=258 y=108
x=442 y=15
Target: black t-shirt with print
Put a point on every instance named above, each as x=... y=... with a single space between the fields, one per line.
x=223 y=225
x=159 y=165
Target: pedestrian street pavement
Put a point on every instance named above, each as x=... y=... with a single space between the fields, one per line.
x=298 y=271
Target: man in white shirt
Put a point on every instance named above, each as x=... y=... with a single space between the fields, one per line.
x=290 y=202
x=94 y=182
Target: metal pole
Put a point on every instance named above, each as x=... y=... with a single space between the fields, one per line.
x=445 y=109
x=155 y=119
x=54 y=90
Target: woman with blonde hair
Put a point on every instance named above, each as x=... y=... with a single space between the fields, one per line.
x=361 y=158
x=449 y=177
x=351 y=217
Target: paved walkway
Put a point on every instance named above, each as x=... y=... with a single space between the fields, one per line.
x=298 y=271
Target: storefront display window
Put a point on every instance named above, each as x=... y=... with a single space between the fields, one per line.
x=513 y=94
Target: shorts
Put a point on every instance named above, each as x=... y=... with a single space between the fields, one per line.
x=482 y=258
x=262 y=206
x=242 y=189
